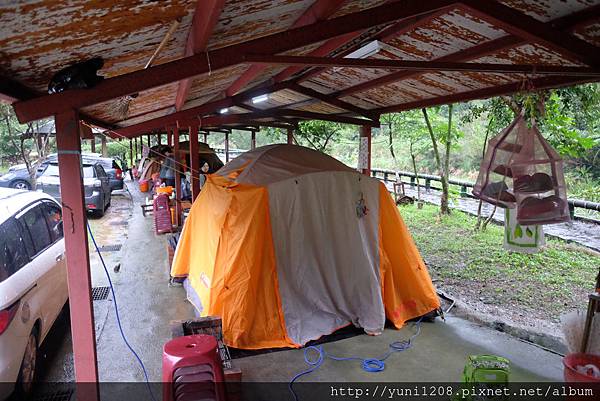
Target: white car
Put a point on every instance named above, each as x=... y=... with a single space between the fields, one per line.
x=33 y=282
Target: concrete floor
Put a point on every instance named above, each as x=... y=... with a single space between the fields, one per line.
x=147 y=304
x=438 y=354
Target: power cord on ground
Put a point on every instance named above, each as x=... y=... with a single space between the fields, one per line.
x=112 y=289
x=370 y=365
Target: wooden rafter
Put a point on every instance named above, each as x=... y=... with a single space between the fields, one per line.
x=177 y=70
x=531 y=29
x=413 y=65
x=319 y=10
x=205 y=18
x=537 y=83
x=481 y=50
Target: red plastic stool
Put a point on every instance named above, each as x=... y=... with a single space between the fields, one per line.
x=162 y=215
x=192 y=369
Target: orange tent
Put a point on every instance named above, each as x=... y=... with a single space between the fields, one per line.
x=287 y=244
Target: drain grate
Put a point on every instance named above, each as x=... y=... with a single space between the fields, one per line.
x=110 y=248
x=55 y=396
x=100 y=293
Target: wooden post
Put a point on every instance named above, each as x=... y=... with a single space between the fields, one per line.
x=149 y=143
x=132 y=161
x=77 y=257
x=104 y=150
x=169 y=137
x=135 y=143
x=226 y=146
x=365 y=132
x=253 y=140
x=205 y=136
x=93 y=144
x=290 y=135
x=177 y=175
x=194 y=161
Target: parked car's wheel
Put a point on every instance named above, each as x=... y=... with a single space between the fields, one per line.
x=21 y=184
x=28 y=365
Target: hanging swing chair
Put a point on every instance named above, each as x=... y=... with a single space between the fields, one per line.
x=521 y=170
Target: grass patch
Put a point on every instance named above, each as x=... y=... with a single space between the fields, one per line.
x=474 y=265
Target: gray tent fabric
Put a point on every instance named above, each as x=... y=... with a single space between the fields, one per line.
x=272 y=163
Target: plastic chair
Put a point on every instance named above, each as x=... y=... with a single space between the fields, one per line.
x=192 y=369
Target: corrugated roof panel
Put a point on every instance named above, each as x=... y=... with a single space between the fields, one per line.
x=38 y=39
x=242 y=20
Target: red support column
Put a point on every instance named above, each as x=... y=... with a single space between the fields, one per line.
x=365 y=132
x=227 y=147
x=253 y=140
x=178 y=168
x=135 y=143
x=77 y=258
x=194 y=161
x=103 y=144
x=93 y=144
x=290 y=135
x=206 y=137
x=169 y=137
x=132 y=162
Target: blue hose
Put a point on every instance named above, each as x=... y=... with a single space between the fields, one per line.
x=112 y=290
x=370 y=365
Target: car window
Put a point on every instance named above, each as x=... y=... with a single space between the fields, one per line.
x=13 y=254
x=101 y=172
x=51 y=170
x=88 y=172
x=53 y=215
x=35 y=222
x=115 y=165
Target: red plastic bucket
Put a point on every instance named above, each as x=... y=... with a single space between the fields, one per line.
x=571 y=361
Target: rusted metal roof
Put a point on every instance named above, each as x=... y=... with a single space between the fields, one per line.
x=38 y=38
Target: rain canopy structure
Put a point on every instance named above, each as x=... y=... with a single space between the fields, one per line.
x=287 y=244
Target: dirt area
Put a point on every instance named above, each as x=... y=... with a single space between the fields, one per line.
x=526 y=291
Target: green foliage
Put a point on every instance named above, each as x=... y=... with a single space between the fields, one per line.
x=477 y=266
x=317 y=134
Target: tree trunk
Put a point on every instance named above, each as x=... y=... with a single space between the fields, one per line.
x=479 y=207
x=444 y=209
x=414 y=163
x=436 y=153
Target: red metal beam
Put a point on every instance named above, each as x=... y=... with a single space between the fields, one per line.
x=177 y=70
x=484 y=49
x=413 y=65
x=205 y=18
x=322 y=50
x=538 y=83
x=332 y=101
x=319 y=10
x=195 y=112
x=400 y=27
x=227 y=119
x=77 y=256
x=531 y=29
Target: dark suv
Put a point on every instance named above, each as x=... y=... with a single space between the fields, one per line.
x=110 y=165
x=96 y=184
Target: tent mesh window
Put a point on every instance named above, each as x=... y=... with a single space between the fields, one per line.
x=520 y=169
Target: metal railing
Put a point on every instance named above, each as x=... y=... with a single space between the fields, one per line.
x=386 y=174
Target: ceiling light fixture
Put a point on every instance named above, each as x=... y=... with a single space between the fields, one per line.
x=260 y=99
